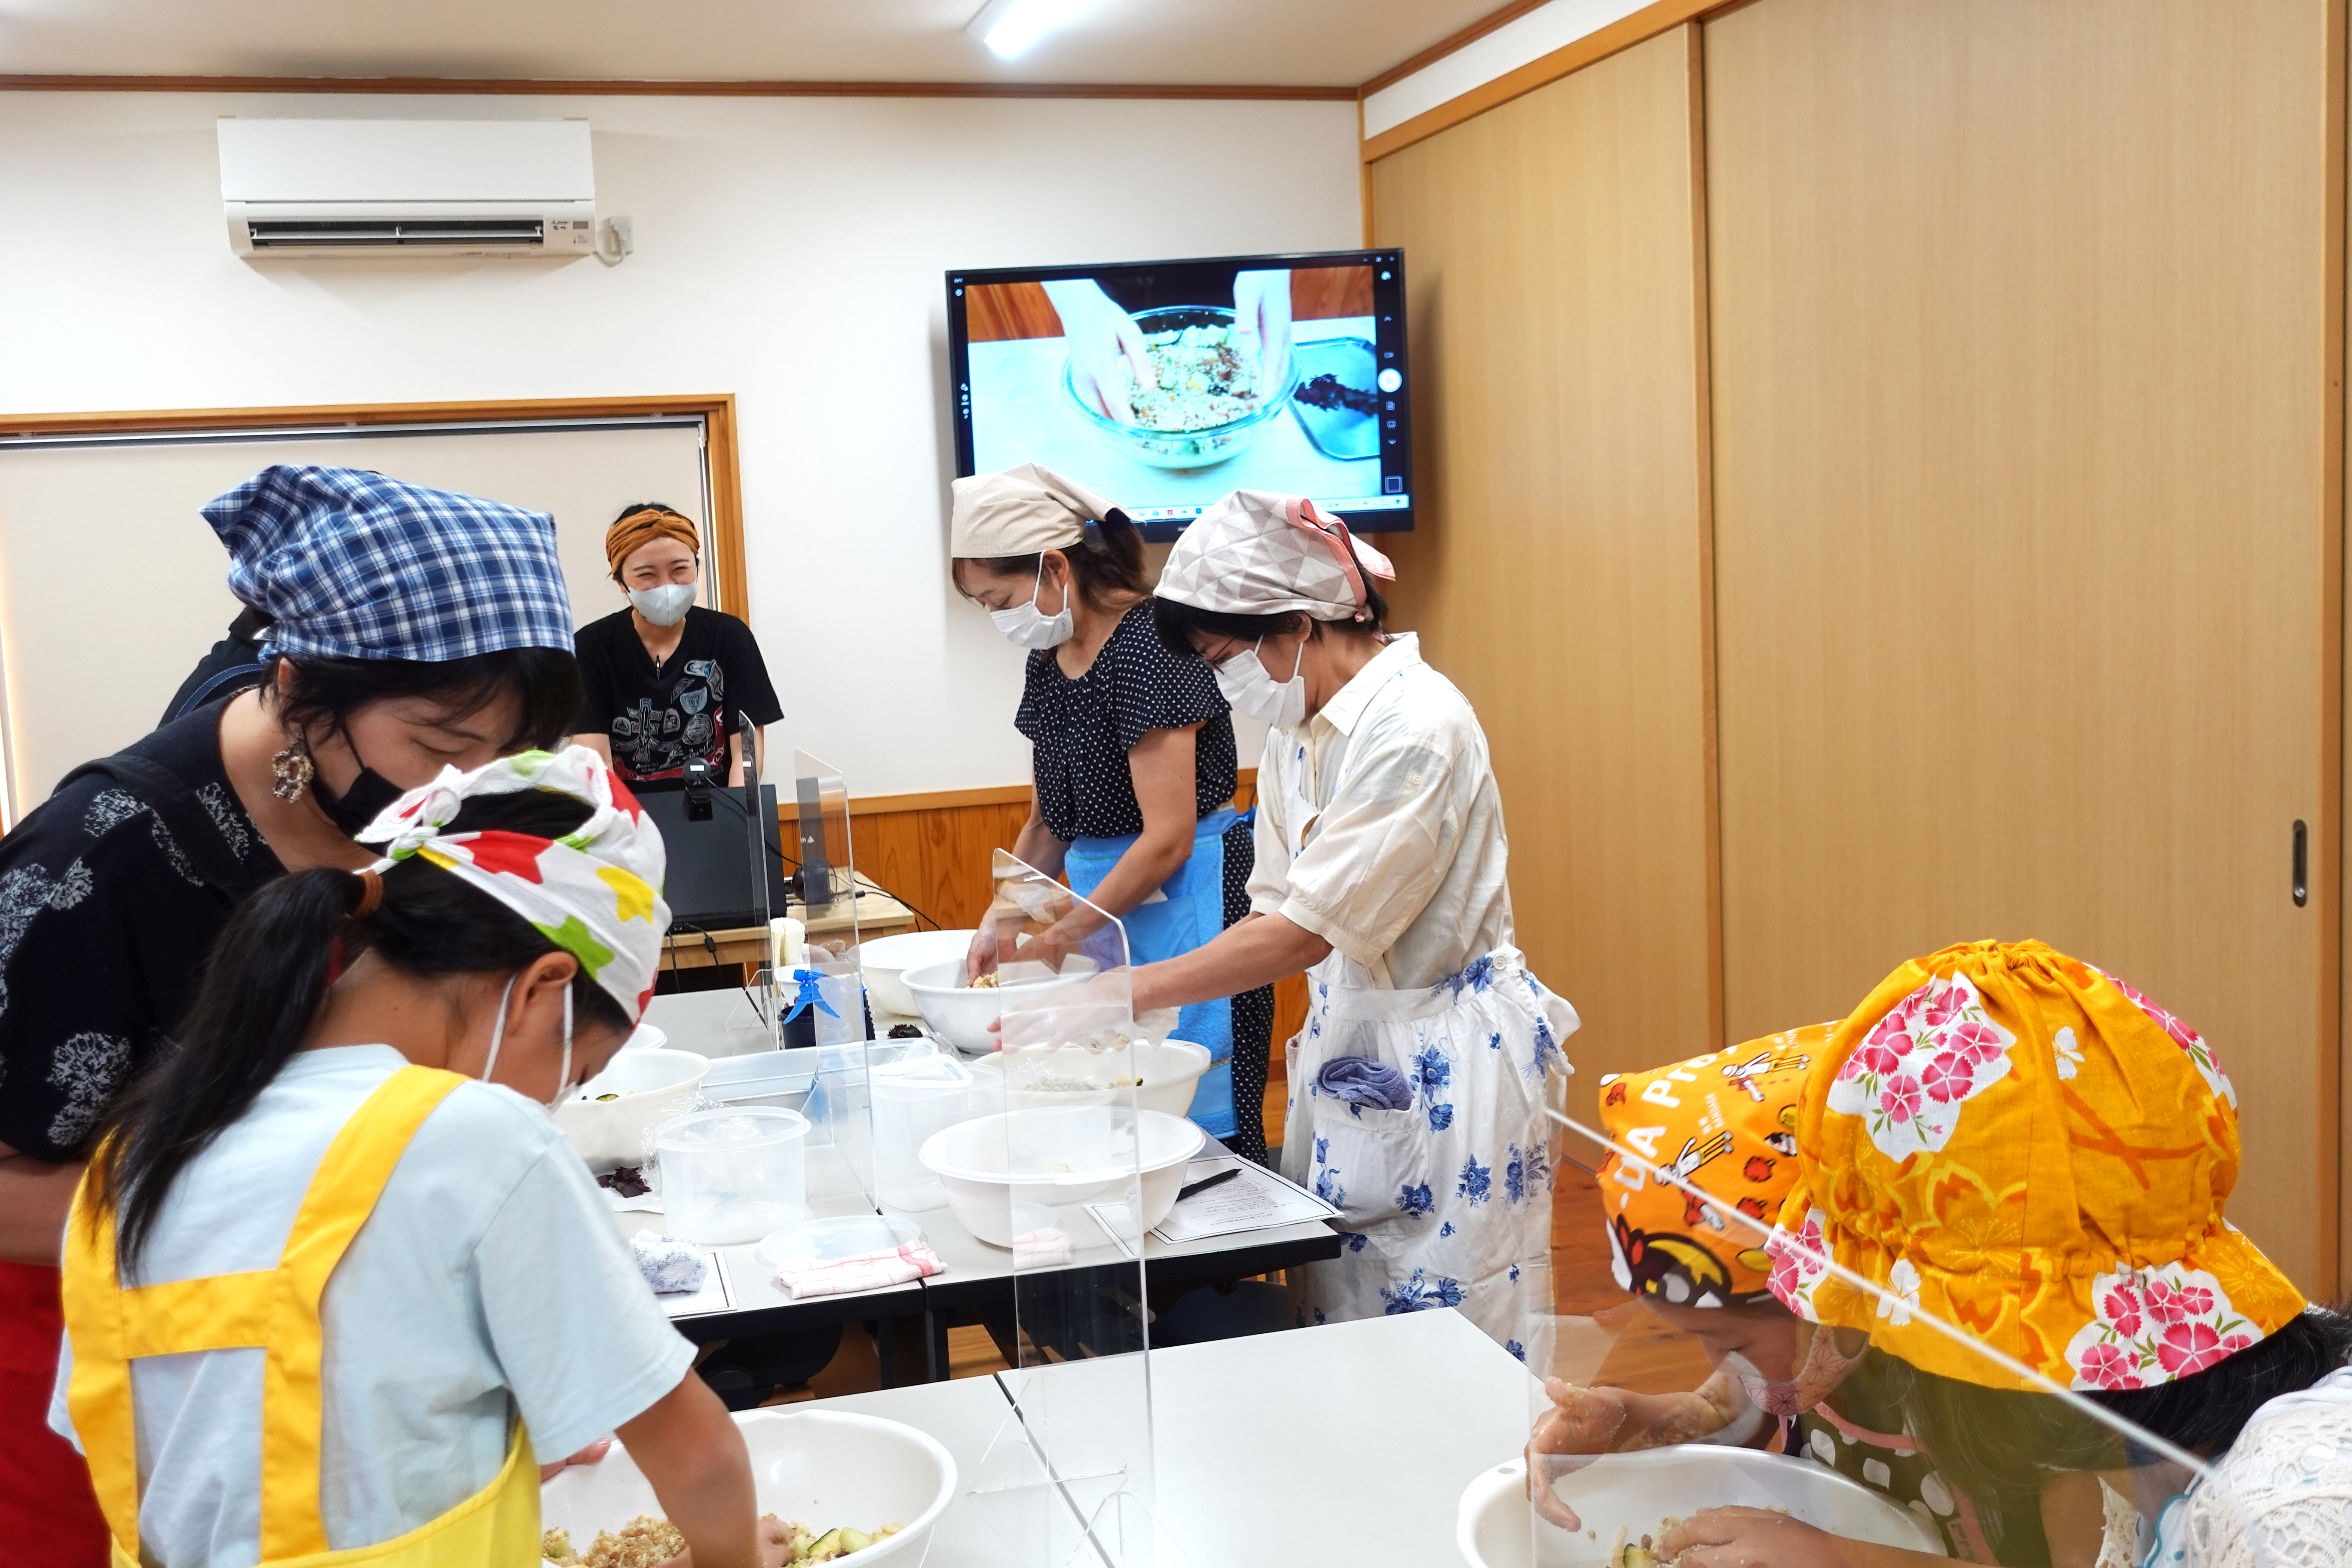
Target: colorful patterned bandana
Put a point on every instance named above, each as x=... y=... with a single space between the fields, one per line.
x=2008 y=1139
x=1257 y=554
x=350 y=564
x=1725 y=1124
x=595 y=892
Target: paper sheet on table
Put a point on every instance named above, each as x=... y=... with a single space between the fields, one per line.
x=1258 y=1200
x=717 y=1294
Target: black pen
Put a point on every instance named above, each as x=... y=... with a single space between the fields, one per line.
x=1206 y=1183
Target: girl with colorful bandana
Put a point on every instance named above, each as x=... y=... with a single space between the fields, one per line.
x=334 y=1275
x=2008 y=1139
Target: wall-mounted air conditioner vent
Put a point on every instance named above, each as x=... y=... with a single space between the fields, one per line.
x=408 y=187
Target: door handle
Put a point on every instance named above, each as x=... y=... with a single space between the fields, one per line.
x=2302 y=864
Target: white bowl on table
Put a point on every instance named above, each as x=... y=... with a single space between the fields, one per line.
x=822 y=1467
x=960 y=1013
x=649 y=1087
x=1044 y=1165
x=886 y=958
x=1169 y=1071
x=1497 y=1526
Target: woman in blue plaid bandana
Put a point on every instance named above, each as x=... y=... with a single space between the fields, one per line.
x=408 y=630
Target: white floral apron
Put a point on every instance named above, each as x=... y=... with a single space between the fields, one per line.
x=1447 y=1203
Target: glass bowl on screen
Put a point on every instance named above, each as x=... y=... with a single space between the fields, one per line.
x=1207 y=406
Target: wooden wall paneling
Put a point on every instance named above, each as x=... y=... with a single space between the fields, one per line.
x=1558 y=581
x=2021 y=477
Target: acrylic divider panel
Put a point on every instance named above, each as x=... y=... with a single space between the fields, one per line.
x=821 y=988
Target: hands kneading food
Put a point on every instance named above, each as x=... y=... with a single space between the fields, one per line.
x=649 y=1543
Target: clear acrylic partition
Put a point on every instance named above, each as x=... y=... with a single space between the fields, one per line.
x=820 y=985
x=1069 y=1479
x=1668 y=1409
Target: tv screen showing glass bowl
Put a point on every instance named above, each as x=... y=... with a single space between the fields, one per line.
x=1163 y=385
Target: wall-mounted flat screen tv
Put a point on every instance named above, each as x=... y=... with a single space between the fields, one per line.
x=1163 y=385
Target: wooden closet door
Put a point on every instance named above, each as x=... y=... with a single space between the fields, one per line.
x=2024 y=511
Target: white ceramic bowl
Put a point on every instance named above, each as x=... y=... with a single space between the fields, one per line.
x=823 y=1467
x=652 y=1085
x=1045 y=1165
x=885 y=957
x=1170 y=1071
x=1497 y=1527
x=960 y=1015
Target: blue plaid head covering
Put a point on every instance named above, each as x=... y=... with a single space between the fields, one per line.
x=350 y=564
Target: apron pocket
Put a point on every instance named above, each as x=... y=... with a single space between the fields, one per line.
x=1375 y=1167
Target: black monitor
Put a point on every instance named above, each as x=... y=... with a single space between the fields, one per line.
x=1164 y=385
x=709 y=883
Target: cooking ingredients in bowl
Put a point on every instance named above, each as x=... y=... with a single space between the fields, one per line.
x=648 y=1542
x=1204 y=380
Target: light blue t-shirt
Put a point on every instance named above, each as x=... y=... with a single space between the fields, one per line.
x=490 y=1279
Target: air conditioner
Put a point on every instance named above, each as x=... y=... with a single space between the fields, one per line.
x=408 y=187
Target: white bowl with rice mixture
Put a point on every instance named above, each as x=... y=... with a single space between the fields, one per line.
x=824 y=1469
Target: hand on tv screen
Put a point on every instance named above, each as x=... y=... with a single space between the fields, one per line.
x=1262 y=321
x=1100 y=335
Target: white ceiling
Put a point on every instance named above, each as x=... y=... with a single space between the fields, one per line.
x=1334 y=43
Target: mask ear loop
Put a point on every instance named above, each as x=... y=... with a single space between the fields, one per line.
x=564 y=1077
x=498 y=1027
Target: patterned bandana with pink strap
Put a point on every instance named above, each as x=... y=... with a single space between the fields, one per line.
x=1257 y=553
x=595 y=892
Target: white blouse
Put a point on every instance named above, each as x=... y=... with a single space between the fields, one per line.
x=1380 y=828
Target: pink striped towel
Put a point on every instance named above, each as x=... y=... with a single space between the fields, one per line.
x=863 y=1272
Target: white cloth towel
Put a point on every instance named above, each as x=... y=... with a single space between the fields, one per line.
x=805 y=1277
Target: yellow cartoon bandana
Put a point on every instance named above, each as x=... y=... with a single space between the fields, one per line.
x=2009 y=1140
x=1725 y=1124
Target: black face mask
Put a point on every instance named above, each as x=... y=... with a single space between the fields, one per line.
x=357 y=807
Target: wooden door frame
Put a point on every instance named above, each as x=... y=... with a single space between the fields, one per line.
x=730 y=576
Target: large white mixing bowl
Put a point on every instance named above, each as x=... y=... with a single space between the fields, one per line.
x=1035 y=1075
x=960 y=1013
x=1498 y=1527
x=650 y=1086
x=822 y=1467
x=886 y=958
x=1045 y=1165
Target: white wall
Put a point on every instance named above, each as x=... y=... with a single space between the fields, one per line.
x=1507 y=48
x=789 y=251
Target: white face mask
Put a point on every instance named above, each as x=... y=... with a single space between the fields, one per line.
x=1251 y=690
x=499 y=1035
x=1024 y=625
x=665 y=605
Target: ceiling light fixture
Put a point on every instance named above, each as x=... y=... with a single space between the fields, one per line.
x=1009 y=28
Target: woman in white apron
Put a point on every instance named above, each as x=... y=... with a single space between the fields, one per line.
x=1417 y=1087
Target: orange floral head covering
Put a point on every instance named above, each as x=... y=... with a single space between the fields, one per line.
x=2012 y=1141
x=1725 y=1124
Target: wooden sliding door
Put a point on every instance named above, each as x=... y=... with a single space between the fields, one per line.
x=1552 y=253
x=2024 y=513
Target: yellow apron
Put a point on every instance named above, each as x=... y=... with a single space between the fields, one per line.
x=275 y=1310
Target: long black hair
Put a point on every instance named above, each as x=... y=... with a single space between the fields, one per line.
x=2001 y=1442
x=1182 y=626
x=325 y=693
x=266 y=982
x=1107 y=563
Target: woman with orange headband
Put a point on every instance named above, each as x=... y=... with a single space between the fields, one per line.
x=666 y=678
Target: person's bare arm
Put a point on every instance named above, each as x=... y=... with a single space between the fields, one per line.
x=1162 y=767
x=34 y=1198
x=1761 y=1538
x=600 y=744
x=693 y=1454
x=1257 y=951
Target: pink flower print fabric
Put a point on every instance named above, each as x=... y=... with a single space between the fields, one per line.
x=2191 y=1044
x=2155 y=1325
x=1937 y=1050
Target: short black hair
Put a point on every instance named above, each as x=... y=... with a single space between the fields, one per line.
x=1183 y=626
x=543 y=681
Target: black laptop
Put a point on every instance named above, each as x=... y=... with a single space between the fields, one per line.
x=709 y=885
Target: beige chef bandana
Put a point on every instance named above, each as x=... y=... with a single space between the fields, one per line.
x=1257 y=553
x=1020 y=513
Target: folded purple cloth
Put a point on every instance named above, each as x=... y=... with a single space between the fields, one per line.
x=1361 y=1080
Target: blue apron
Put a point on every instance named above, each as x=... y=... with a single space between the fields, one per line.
x=1191 y=913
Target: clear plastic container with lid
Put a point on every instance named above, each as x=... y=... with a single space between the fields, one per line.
x=733 y=1174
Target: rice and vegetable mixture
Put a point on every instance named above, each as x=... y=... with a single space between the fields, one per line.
x=1203 y=381
x=648 y=1542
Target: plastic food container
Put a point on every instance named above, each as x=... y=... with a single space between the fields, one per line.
x=1169 y=1071
x=823 y=1467
x=912 y=1100
x=733 y=1174
x=1045 y=1165
x=1496 y=1527
x=650 y=1086
x=885 y=957
x=849 y=1236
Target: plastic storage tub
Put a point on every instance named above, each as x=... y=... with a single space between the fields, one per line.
x=733 y=1174
x=912 y=1100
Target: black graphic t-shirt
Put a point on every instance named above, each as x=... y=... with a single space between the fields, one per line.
x=104 y=926
x=659 y=716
